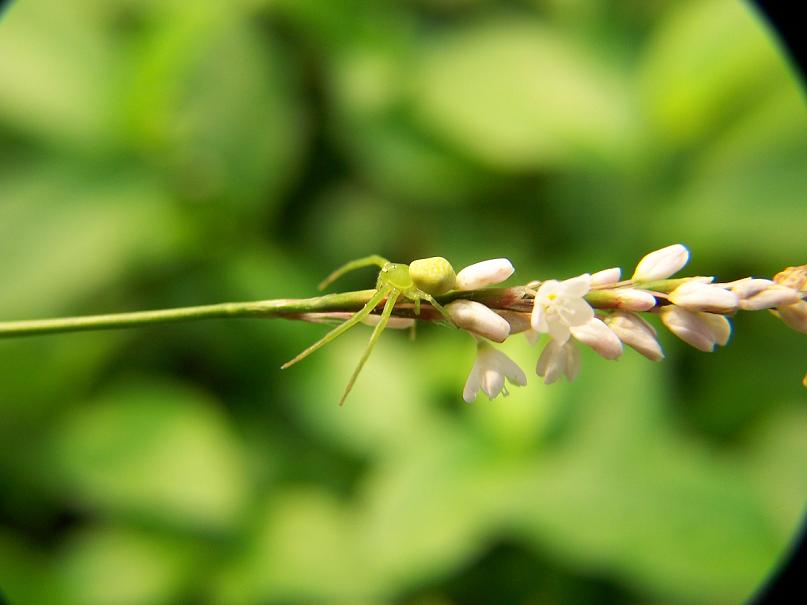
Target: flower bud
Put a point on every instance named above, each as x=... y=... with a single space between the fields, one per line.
x=632 y=299
x=485 y=273
x=662 y=263
x=773 y=296
x=636 y=333
x=606 y=276
x=748 y=287
x=698 y=296
x=599 y=337
x=700 y=330
x=479 y=319
x=795 y=316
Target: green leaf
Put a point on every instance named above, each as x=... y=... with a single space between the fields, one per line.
x=155 y=451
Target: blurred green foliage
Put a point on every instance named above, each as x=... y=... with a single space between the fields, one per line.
x=162 y=153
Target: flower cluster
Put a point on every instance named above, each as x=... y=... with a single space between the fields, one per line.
x=603 y=313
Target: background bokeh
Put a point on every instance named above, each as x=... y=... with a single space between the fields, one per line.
x=166 y=153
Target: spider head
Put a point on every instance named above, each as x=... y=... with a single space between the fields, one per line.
x=395 y=275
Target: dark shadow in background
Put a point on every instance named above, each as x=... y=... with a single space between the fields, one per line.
x=789 y=583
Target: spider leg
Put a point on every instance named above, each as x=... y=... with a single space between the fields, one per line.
x=342 y=328
x=417 y=306
x=367 y=261
x=385 y=315
x=438 y=306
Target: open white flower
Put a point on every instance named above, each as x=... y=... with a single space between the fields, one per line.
x=489 y=372
x=559 y=306
x=557 y=360
x=485 y=273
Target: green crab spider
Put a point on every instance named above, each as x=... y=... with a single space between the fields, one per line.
x=422 y=279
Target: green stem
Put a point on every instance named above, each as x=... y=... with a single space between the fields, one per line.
x=264 y=308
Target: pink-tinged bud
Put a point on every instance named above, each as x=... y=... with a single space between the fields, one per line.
x=599 y=337
x=795 y=316
x=636 y=333
x=662 y=263
x=700 y=330
x=631 y=299
x=698 y=296
x=606 y=276
x=773 y=296
x=486 y=273
x=479 y=319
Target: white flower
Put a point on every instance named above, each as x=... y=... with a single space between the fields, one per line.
x=636 y=333
x=485 y=273
x=489 y=372
x=701 y=330
x=558 y=359
x=479 y=319
x=599 y=337
x=606 y=276
x=662 y=263
x=559 y=305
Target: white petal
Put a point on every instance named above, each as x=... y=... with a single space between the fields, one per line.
x=599 y=337
x=689 y=327
x=572 y=361
x=485 y=273
x=492 y=382
x=662 y=263
x=538 y=318
x=577 y=286
x=546 y=291
x=558 y=330
x=575 y=311
x=532 y=336
x=479 y=319
x=606 y=276
x=471 y=385
x=552 y=362
x=697 y=296
x=509 y=368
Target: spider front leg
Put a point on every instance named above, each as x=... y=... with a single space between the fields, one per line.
x=437 y=306
x=359 y=263
x=341 y=329
x=385 y=315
